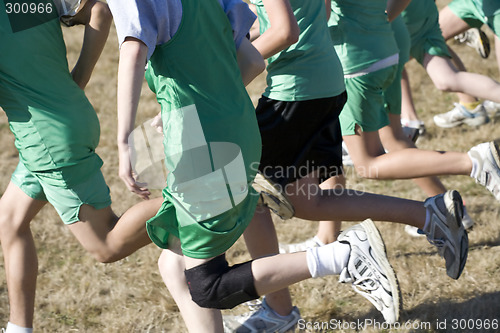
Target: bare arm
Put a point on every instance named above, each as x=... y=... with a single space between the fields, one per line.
x=395 y=7
x=96 y=17
x=328 y=5
x=250 y=61
x=133 y=56
x=283 y=31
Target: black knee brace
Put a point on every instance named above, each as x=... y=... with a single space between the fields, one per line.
x=216 y=285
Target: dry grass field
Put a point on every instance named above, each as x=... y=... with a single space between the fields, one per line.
x=77 y=294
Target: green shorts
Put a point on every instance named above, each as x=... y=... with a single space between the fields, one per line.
x=205 y=239
x=432 y=42
x=66 y=200
x=365 y=105
x=475 y=17
x=392 y=94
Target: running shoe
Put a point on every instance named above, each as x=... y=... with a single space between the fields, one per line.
x=346 y=158
x=369 y=270
x=492 y=108
x=302 y=246
x=445 y=230
x=271 y=195
x=486 y=169
x=264 y=319
x=460 y=115
x=467 y=222
x=477 y=39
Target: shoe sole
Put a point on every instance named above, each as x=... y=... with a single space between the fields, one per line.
x=495 y=151
x=273 y=198
x=484 y=45
x=472 y=122
x=458 y=208
x=377 y=243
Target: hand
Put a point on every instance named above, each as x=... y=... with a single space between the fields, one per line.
x=127 y=175
x=157 y=123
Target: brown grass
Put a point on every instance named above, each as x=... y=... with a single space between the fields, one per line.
x=77 y=294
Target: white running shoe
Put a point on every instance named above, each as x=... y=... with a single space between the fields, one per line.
x=302 y=246
x=460 y=115
x=477 y=39
x=272 y=197
x=467 y=222
x=492 y=109
x=486 y=169
x=445 y=230
x=346 y=159
x=264 y=319
x=369 y=270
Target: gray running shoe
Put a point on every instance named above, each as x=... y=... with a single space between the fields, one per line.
x=264 y=319
x=446 y=232
x=369 y=270
x=467 y=222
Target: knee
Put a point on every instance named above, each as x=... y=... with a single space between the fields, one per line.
x=366 y=170
x=103 y=255
x=216 y=285
x=444 y=84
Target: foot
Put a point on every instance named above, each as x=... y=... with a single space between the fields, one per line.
x=492 y=108
x=467 y=222
x=477 y=39
x=264 y=319
x=369 y=270
x=302 y=246
x=346 y=158
x=486 y=169
x=272 y=196
x=460 y=115
x=445 y=230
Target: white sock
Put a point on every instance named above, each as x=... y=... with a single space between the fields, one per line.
x=328 y=260
x=13 y=328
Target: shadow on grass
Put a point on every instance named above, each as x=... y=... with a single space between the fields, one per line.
x=481 y=313
x=480 y=245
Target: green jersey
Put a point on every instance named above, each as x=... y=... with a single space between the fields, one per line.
x=211 y=137
x=310 y=68
x=54 y=125
x=361 y=33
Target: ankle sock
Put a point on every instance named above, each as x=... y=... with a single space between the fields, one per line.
x=470 y=106
x=328 y=260
x=13 y=328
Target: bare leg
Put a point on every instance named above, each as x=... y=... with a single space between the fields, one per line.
x=313 y=203
x=261 y=240
x=394 y=139
x=451 y=25
x=497 y=50
x=328 y=230
x=21 y=263
x=108 y=243
x=446 y=77
x=407 y=107
x=171 y=264
x=367 y=153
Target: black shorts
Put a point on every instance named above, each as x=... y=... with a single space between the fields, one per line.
x=300 y=137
